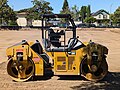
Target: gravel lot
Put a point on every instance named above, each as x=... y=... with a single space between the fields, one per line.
x=107 y=37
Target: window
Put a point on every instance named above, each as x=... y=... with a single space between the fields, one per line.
x=105 y=16
x=100 y=16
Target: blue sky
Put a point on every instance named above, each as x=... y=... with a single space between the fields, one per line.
x=108 y=5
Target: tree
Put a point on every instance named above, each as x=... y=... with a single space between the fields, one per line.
x=113 y=19
x=39 y=7
x=42 y=7
x=116 y=16
x=90 y=20
x=75 y=12
x=8 y=16
x=65 y=8
x=88 y=11
x=83 y=13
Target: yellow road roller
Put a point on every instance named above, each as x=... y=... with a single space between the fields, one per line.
x=61 y=52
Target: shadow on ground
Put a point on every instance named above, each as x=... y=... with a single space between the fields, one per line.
x=110 y=82
x=48 y=75
x=71 y=77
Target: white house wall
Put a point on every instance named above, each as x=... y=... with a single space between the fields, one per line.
x=21 y=21
x=77 y=22
x=100 y=18
x=37 y=23
x=97 y=17
x=108 y=16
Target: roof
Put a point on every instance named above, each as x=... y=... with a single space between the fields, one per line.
x=99 y=12
x=56 y=16
x=22 y=13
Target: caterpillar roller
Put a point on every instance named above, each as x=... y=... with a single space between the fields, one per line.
x=61 y=51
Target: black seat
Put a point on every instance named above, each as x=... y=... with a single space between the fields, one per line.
x=54 y=38
x=37 y=47
x=39 y=50
x=62 y=48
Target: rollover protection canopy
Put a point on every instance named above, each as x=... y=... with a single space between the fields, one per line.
x=66 y=16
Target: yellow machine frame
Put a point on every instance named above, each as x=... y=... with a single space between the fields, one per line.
x=27 y=59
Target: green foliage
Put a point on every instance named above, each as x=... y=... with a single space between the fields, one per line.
x=65 y=10
x=116 y=16
x=7 y=13
x=113 y=19
x=83 y=13
x=13 y=23
x=39 y=7
x=90 y=19
x=75 y=12
x=88 y=11
x=105 y=22
x=65 y=6
x=117 y=13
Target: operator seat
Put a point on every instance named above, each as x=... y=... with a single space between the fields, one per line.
x=37 y=47
x=54 y=38
x=39 y=50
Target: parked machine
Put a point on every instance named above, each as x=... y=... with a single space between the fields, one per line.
x=61 y=51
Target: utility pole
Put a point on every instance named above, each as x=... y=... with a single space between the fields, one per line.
x=110 y=13
x=111 y=7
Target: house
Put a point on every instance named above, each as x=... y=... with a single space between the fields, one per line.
x=21 y=21
x=101 y=16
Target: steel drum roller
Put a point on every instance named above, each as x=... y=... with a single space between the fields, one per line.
x=20 y=70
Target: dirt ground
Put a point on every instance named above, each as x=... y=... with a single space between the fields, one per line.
x=107 y=37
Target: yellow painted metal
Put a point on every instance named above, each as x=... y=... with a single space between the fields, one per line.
x=39 y=66
x=91 y=68
x=28 y=54
x=62 y=63
x=20 y=71
x=98 y=75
